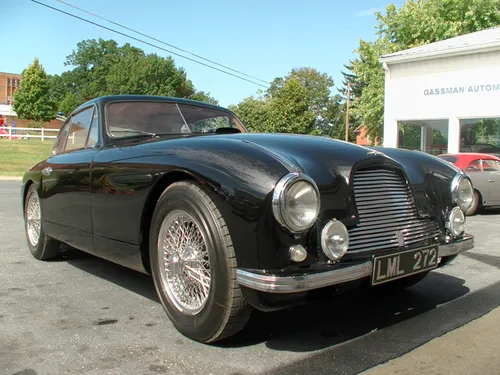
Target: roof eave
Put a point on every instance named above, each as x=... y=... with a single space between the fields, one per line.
x=457 y=51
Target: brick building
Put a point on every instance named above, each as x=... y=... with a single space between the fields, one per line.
x=9 y=83
x=362 y=137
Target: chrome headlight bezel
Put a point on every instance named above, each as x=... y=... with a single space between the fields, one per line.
x=278 y=201
x=459 y=179
x=456 y=228
x=334 y=231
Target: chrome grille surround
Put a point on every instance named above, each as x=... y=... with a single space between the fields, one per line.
x=387 y=212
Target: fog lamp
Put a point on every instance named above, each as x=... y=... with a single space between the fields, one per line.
x=334 y=239
x=456 y=222
x=297 y=253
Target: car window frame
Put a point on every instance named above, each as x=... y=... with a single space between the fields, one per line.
x=65 y=125
x=95 y=116
x=94 y=109
x=479 y=161
x=106 y=123
x=494 y=161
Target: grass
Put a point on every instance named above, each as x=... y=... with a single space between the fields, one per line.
x=17 y=156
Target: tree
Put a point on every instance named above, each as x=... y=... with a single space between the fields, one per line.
x=290 y=109
x=102 y=67
x=415 y=23
x=296 y=103
x=317 y=86
x=32 y=100
x=254 y=113
x=69 y=103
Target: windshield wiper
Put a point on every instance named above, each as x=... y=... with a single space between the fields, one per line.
x=139 y=132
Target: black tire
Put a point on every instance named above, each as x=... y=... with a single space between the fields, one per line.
x=401 y=284
x=225 y=311
x=476 y=198
x=45 y=248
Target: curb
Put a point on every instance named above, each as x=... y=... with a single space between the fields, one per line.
x=10 y=178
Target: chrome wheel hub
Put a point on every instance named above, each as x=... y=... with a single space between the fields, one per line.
x=184 y=262
x=33 y=219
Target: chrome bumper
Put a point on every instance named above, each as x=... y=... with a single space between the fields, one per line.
x=303 y=283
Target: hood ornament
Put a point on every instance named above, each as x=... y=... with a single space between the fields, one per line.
x=374 y=152
x=400 y=237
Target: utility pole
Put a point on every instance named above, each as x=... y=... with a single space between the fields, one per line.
x=347 y=112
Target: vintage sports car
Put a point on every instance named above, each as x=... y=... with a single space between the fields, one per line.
x=226 y=220
x=484 y=171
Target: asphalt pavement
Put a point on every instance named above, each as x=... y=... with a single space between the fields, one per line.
x=84 y=315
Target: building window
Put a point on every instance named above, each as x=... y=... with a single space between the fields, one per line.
x=8 y=82
x=480 y=135
x=430 y=136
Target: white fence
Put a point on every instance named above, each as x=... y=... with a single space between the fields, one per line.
x=24 y=133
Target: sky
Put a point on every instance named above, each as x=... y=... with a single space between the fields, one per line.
x=262 y=38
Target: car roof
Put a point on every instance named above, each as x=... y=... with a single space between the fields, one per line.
x=103 y=100
x=472 y=155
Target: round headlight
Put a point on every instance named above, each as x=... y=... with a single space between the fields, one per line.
x=296 y=202
x=462 y=191
x=456 y=222
x=334 y=239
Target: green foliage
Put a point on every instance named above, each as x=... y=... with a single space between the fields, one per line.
x=69 y=103
x=254 y=113
x=290 y=109
x=415 y=23
x=317 y=87
x=102 y=67
x=32 y=100
x=298 y=103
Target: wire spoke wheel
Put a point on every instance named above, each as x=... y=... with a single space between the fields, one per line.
x=33 y=219
x=184 y=262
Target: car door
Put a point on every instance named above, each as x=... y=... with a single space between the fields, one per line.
x=491 y=170
x=479 y=178
x=66 y=180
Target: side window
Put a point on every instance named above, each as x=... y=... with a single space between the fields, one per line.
x=61 y=139
x=79 y=129
x=94 y=131
x=474 y=166
x=490 y=165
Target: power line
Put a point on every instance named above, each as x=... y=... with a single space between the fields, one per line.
x=159 y=41
x=145 y=42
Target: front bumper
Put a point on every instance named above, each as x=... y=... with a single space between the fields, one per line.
x=303 y=283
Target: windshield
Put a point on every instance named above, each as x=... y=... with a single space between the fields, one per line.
x=128 y=118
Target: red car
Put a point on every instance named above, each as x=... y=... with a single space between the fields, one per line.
x=484 y=171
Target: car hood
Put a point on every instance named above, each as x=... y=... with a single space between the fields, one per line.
x=319 y=157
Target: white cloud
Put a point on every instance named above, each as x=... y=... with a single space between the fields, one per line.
x=367 y=12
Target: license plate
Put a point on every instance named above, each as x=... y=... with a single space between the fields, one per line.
x=395 y=266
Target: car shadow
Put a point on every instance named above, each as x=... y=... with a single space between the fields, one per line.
x=306 y=328
x=127 y=278
x=346 y=317
x=489 y=211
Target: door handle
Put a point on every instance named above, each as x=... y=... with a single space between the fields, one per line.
x=47 y=171
x=491 y=180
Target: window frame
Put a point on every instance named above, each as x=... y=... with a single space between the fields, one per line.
x=479 y=161
x=95 y=116
x=59 y=136
x=494 y=162
x=105 y=125
x=70 y=122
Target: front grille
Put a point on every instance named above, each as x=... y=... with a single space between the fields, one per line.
x=385 y=207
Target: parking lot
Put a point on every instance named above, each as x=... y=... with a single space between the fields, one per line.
x=83 y=315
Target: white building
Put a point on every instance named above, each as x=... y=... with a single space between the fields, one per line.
x=445 y=96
